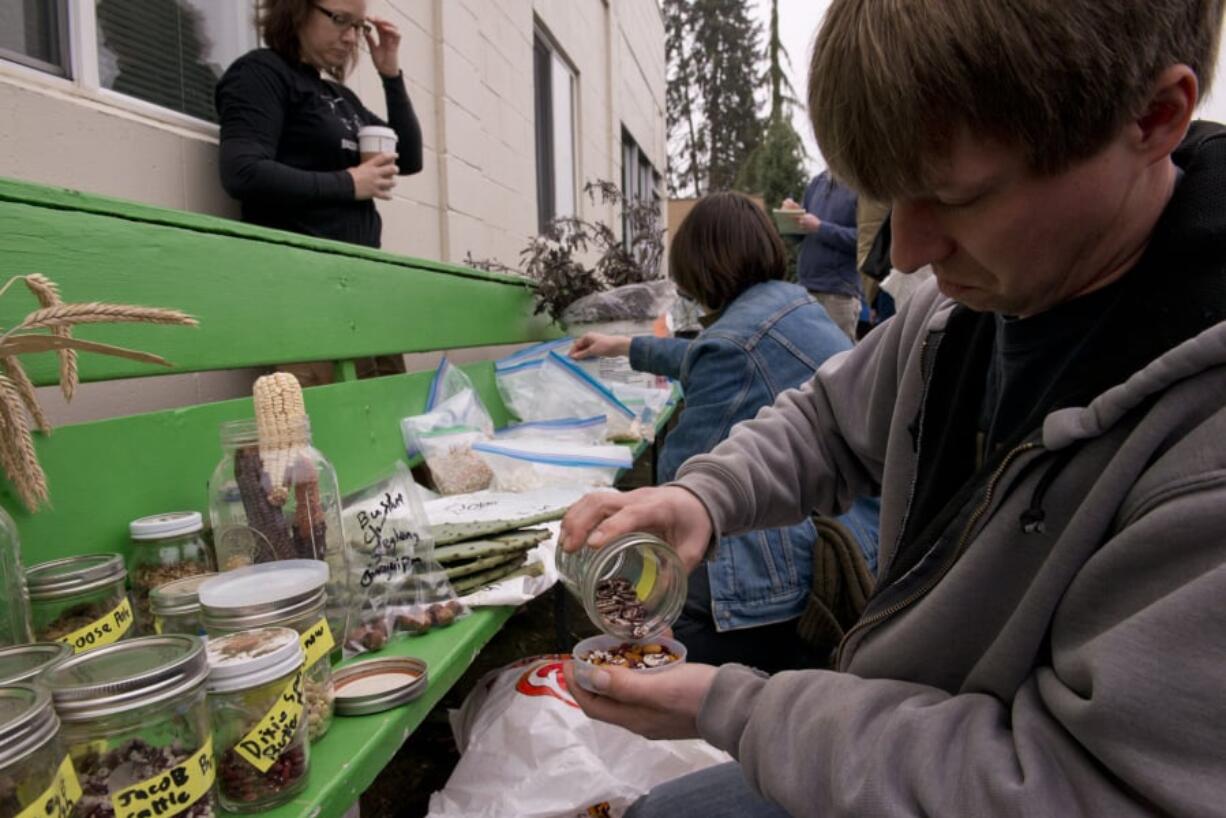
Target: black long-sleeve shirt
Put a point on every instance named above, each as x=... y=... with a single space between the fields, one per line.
x=287 y=137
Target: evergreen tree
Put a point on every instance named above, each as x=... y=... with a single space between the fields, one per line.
x=686 y=136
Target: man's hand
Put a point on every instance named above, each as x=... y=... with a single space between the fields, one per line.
x=384 y=52
x=670 y=512
x=374 y=178
x=655 y=705
x=809 y=223
x=596 y=345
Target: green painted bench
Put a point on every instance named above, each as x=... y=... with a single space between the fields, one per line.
x=263 y=297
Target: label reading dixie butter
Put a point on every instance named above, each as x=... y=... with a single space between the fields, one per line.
x=317 y=642
x=59 y=799
x=274 y=733
x=170 y=793
x=102 y=631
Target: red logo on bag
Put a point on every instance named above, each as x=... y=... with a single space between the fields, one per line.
x=545 y=680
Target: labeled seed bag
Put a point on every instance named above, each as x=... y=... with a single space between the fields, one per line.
x=443 y=435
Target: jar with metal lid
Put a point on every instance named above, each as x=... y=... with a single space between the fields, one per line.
x=633 y=588
x=80 y=601
x=165 y=547
x=176 y=606
x=134 y=719
x=257 y=708
x=25 y=663
x=34 y=769
x=289 y=594
x=14 y=599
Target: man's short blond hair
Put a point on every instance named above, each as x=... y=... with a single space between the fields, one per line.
x=892 y=80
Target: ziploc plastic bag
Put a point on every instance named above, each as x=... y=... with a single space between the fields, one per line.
x=443 y=435
x=565 y=390
x=528 y=464
x=516 y=375
x=576 y=430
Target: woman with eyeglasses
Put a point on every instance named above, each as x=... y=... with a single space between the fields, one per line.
x=289 y=126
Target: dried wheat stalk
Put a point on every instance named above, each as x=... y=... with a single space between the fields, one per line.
x=67 y=315
x=25 y=387
x=27 y=475
x=48 y=294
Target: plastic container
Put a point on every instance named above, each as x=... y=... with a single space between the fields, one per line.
x=20 y=664
x=14 y=599
x=134 y=719
x=288 y=594
x=35 y=771
x=277 y=504
x=175 y=606
x=584 y=669
x=165 y=548
x=81 y=601
x=256 y=681
x=631 y=589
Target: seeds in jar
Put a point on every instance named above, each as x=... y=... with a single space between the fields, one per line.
x=319 y=706
x=242 y=783
x=104 y=774
x=618 y=603
x=147 y=577
x=75 y=618
x=632 y=656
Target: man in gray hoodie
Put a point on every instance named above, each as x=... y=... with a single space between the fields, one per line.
x=1045 y=423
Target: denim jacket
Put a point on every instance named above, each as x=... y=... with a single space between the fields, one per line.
x=773 y=337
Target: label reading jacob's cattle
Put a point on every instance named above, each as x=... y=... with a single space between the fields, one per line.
x=102 y=631
x=170 y=793
x=59 y=799
x=317 y=642
x=275 y=732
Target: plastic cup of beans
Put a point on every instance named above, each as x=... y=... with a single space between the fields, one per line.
x=654 y=654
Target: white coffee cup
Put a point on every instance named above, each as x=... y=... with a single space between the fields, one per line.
x=375 y=139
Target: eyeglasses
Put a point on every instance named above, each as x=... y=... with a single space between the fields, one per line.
x=343 y=21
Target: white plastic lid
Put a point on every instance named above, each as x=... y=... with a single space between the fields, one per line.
x=264 y=585
x=240 y=661
x=376 y=130
x=172 y=524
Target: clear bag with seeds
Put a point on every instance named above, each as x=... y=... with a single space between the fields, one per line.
x=443 y=435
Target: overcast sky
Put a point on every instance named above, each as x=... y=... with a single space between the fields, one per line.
x=798 y=23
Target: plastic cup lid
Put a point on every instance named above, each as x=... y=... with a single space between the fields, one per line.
x=247 y=659
x=172 y=524
x=265 y=585
x=375 y=685
x=376 y=130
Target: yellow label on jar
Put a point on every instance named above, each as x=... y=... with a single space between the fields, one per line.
x=274 y=733
x=102 y=631
x=157 y=625
x=317 y=642
x=59 y=799
x=170 y=793
x=647 y=579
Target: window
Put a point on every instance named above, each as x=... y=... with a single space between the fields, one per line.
x=171 y=52
x=555 y=86
x=640 y=181
x=34 y=33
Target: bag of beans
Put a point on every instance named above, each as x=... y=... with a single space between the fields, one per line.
x=443 y=435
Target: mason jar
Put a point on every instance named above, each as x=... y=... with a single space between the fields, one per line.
x=36 y=775
x=135 y=721
x=288 y=594
x=25 y=663
x=175 y=606
x=633 y=588
x=165 y=548
x=256 y=680
x=14 y=599
x=80 y=601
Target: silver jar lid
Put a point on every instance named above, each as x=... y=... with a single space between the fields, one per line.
x=24 y=663
x=74 y=575
x=374 y=685
x=178 y=597
x=165 y=526
x=247 y=659
x=27 y=721
x=266 y=594
x=126 y=676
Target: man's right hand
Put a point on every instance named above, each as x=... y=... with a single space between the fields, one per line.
x=670 y=512
x=374 y=178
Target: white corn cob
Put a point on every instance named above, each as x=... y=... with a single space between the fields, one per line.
x=280 y=419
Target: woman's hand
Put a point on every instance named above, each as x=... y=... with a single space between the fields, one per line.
x=374 y=178
x=384 y=52
x=595 y=345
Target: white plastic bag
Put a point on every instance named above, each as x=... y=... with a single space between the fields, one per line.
x=576 y=430
x=533 y=463
x=632 y=302
x=565 y=390
x=528 y=751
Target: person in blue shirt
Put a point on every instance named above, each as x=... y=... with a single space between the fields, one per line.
x=826 y=263
x=761 y=336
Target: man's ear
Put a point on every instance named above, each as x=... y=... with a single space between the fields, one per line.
x=1163 y=122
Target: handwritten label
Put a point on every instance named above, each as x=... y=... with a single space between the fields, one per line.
x=59 y=799
x=102 y=631
x=317 y=642
x=274 y=733
x=170 y=793
x=378 y=523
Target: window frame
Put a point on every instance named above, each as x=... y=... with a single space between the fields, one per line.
x=547 y=53
x=639 y=177
x=63 y=69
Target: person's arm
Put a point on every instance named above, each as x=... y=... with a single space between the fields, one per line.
x=1123 y=717
x=839 y=236
x=659 y=356
x=403 y=120
x=251 y=102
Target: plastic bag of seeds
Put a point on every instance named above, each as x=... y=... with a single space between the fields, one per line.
x=567 y=391
x=443 y=435
x=525 y=464
x=390 y=542
x=574 y=430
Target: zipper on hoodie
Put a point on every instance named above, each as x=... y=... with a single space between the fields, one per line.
x=902 y=528
x=976 y=516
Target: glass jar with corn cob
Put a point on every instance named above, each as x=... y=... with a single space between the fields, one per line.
x=274 y=496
